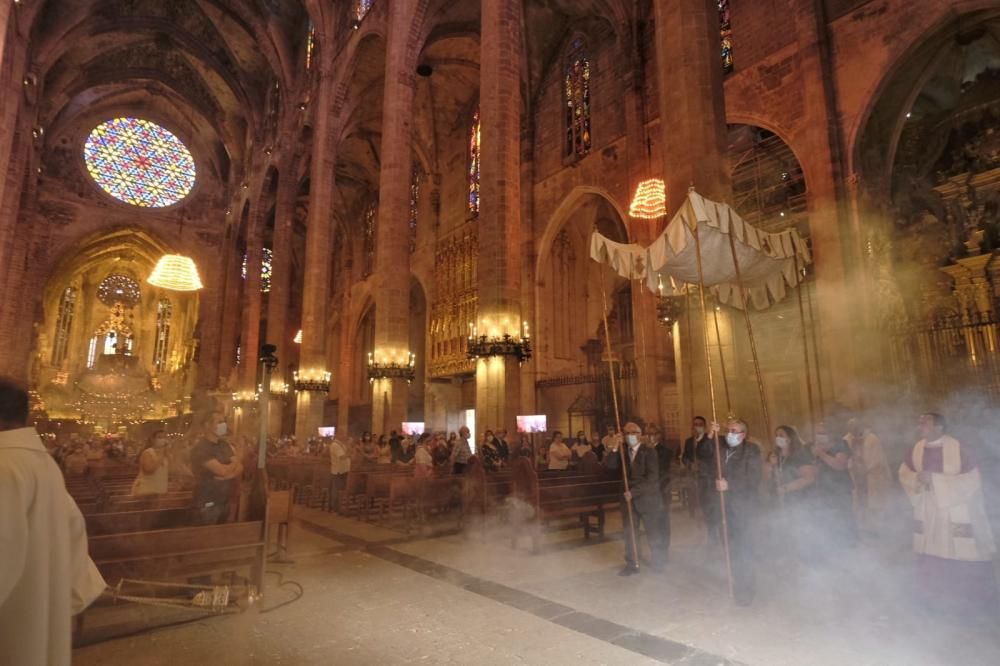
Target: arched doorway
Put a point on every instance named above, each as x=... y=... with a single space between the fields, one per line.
x=572 y=353
x=113 y=350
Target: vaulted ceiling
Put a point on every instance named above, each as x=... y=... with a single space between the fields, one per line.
x=202 y=68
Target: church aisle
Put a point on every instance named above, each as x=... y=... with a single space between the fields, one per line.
x=374 y=596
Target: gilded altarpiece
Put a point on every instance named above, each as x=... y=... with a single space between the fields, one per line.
x=454 y=305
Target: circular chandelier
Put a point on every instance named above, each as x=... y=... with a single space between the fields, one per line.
x=176 y=273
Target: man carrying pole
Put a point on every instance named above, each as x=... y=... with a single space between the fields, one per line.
x=642 y=470
x=740 y=474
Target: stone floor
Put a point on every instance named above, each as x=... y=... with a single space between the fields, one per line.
x=373 y=596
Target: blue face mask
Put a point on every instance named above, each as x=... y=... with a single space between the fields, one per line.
x=632 y=439
x=734 y=439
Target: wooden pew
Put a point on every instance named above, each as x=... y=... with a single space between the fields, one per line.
x=587 y=499
x=100 y=524
x=180 y=553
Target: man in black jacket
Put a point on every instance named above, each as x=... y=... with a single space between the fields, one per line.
x=665 y=455
x=642 y=465
x=741 y=478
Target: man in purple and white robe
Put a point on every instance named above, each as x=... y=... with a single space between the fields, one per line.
x=952 y=537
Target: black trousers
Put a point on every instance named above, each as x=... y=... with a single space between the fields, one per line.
x=742 y=557
x=337 y=483
x=657 y=533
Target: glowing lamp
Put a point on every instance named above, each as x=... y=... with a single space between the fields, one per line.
x=176 y=273
x=650 y=200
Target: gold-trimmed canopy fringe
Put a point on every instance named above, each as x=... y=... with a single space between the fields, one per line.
x=650 y=200
x=176 y=273
x=767 y=261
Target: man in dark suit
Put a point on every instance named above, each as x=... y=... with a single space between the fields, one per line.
x=665 y=455
x=741 y=472
x=642 y=465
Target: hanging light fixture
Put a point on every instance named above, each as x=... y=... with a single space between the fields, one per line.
x=650 y=200
x=176 y=273
x=298 y=337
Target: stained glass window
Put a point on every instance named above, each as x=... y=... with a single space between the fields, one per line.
x=310 y=45
x=164 y=311
x=369 y=246
x=414 y=197
x=474 y=163
x=577 y=92
x=117 y=288
x=266 y=261
x=139 y=162
x=725 y=36
x=67 y=306
x=361 y=9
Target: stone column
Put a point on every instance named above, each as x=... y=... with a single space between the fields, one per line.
x=277 y=298
x=841 y=281
x=252 y=307
x=692 y=108
x=392 y=254
x=316 y=280
x=649 y=336
x=230 y=314
x=693 y=147
x=344 y=367
x=499 y=266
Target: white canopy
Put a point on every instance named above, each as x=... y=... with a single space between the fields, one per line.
x=767 y=261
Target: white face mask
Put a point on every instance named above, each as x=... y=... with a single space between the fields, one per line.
x=822 y=439
x=632 y=439
x=781 y=442
x=699 y=430
x=734 y=439
x=221 y=429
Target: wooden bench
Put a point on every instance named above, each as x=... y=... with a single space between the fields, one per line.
x=118 y=522
x=180 y=553
x=584 y=498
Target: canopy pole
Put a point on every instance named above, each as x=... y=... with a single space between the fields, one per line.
x=715 y=418
x=722 y=362
x=805 y=344
x=618 y=421
x=753 y=340
x=819 y=374
x=688 y=360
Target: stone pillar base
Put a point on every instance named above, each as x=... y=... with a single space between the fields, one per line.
x=498 y=392
x=309 y=414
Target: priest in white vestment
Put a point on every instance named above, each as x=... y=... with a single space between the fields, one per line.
x=46 y=576
x=952 y=537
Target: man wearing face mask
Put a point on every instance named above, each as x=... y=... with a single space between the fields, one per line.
x=642 y=465
x=215 y=469
x=741 y=477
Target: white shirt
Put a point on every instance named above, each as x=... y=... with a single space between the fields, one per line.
x=46 y=576
x=340 y=462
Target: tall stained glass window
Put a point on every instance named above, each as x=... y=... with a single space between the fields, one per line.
x=139 y=162
x=414 y=199
x=369 y=239
x=161 y=348
x=474 y=163
x=577 y=92
x=310 y=45
x=60 y=343
x=725 y=36
x=266 y=261
x=361 y=9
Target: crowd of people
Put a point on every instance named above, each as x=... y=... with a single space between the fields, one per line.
x=812 y=498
